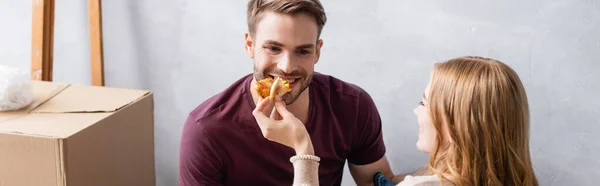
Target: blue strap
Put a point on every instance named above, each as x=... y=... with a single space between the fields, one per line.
x=380 y=180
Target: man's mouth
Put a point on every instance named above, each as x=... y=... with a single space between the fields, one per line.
x=292 y=80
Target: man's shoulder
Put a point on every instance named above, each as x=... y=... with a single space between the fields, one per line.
x=330 y=84
x=349 y=98
x=219 y=106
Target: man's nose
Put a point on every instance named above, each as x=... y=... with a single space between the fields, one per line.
x=286 y=63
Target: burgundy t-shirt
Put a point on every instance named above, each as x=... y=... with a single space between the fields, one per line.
x=221 y=143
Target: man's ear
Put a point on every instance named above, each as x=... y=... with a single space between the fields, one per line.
x=318 y=52
x=249 y=45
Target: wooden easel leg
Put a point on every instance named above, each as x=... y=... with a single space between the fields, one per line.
x=96 y=53
x=42 y=40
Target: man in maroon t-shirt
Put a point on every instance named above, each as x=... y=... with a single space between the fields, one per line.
x=222 y=144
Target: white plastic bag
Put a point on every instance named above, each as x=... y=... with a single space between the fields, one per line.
x=15 y=89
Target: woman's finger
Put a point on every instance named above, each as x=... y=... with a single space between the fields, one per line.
x=280 y=106
x=259 y=114
x=275 y=115
x=261 y=104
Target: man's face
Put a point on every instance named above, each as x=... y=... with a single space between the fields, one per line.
x=285 y=46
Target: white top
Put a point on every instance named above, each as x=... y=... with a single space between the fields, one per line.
x=420 y=180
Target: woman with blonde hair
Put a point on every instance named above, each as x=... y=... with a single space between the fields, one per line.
x=473 y=123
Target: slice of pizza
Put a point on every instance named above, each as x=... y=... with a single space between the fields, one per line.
x=269 y=88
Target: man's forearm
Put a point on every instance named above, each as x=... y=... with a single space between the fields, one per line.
x=395 y=178
x=398 y=178
x=363 y=174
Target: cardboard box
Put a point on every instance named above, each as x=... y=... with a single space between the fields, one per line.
x=74 y=135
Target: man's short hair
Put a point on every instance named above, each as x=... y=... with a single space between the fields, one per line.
x=313 y=8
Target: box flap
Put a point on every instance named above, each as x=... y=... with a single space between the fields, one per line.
x=61 y=110
x=8 y=115
x=60 y=125
x=89 y=99
x=41 y=92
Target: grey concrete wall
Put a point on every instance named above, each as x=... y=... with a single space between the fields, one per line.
x=186 y=51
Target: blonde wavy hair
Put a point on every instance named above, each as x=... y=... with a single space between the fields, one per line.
x=480 y=111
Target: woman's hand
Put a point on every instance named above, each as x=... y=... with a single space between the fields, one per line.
x=283 y=127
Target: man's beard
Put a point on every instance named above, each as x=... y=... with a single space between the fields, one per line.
x=289 y=97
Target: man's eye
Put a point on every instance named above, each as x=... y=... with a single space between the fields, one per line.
x=272 y=49
x=303 y=52
x=421 y=103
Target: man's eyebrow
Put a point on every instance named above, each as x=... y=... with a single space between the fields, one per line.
x=271 y=42
x=305 y=46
